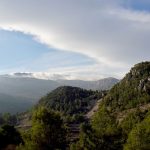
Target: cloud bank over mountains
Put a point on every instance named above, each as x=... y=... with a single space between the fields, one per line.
x=111 y=32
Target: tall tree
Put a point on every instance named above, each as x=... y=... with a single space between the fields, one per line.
x=47 y=132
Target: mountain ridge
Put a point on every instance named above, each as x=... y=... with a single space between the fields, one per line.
x=122 y=119
x=32 y=89
x=70 y=100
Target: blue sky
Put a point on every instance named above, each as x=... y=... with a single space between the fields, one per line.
x=22 y=53
x=142 y=5
x=17 y=48
x=74 y=39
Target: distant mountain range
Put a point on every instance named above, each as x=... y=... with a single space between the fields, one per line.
x=13 y=104
x=30 y=90
x=103 y=84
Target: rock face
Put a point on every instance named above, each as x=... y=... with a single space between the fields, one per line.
x=141 y=69
x=132 y=91
x=144 y=85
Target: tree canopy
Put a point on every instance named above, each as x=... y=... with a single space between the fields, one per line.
x=47 y=132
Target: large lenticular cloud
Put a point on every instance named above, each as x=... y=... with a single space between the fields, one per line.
x=102 y=29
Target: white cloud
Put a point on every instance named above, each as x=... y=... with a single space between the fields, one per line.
x=103 y=30
x=90 y=72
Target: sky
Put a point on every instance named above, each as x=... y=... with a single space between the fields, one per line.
x=73 y=39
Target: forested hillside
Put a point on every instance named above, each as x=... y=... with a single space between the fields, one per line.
x=122 y=121
x=132 y=91
x=70 y=100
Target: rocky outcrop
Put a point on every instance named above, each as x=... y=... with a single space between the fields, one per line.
x=144 y=85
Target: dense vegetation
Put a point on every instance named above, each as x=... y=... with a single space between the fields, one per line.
x=70 y=100
x=132 y=91
x=49 y=129
x=47 y=132
x=123 y=119
x=9 y=119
